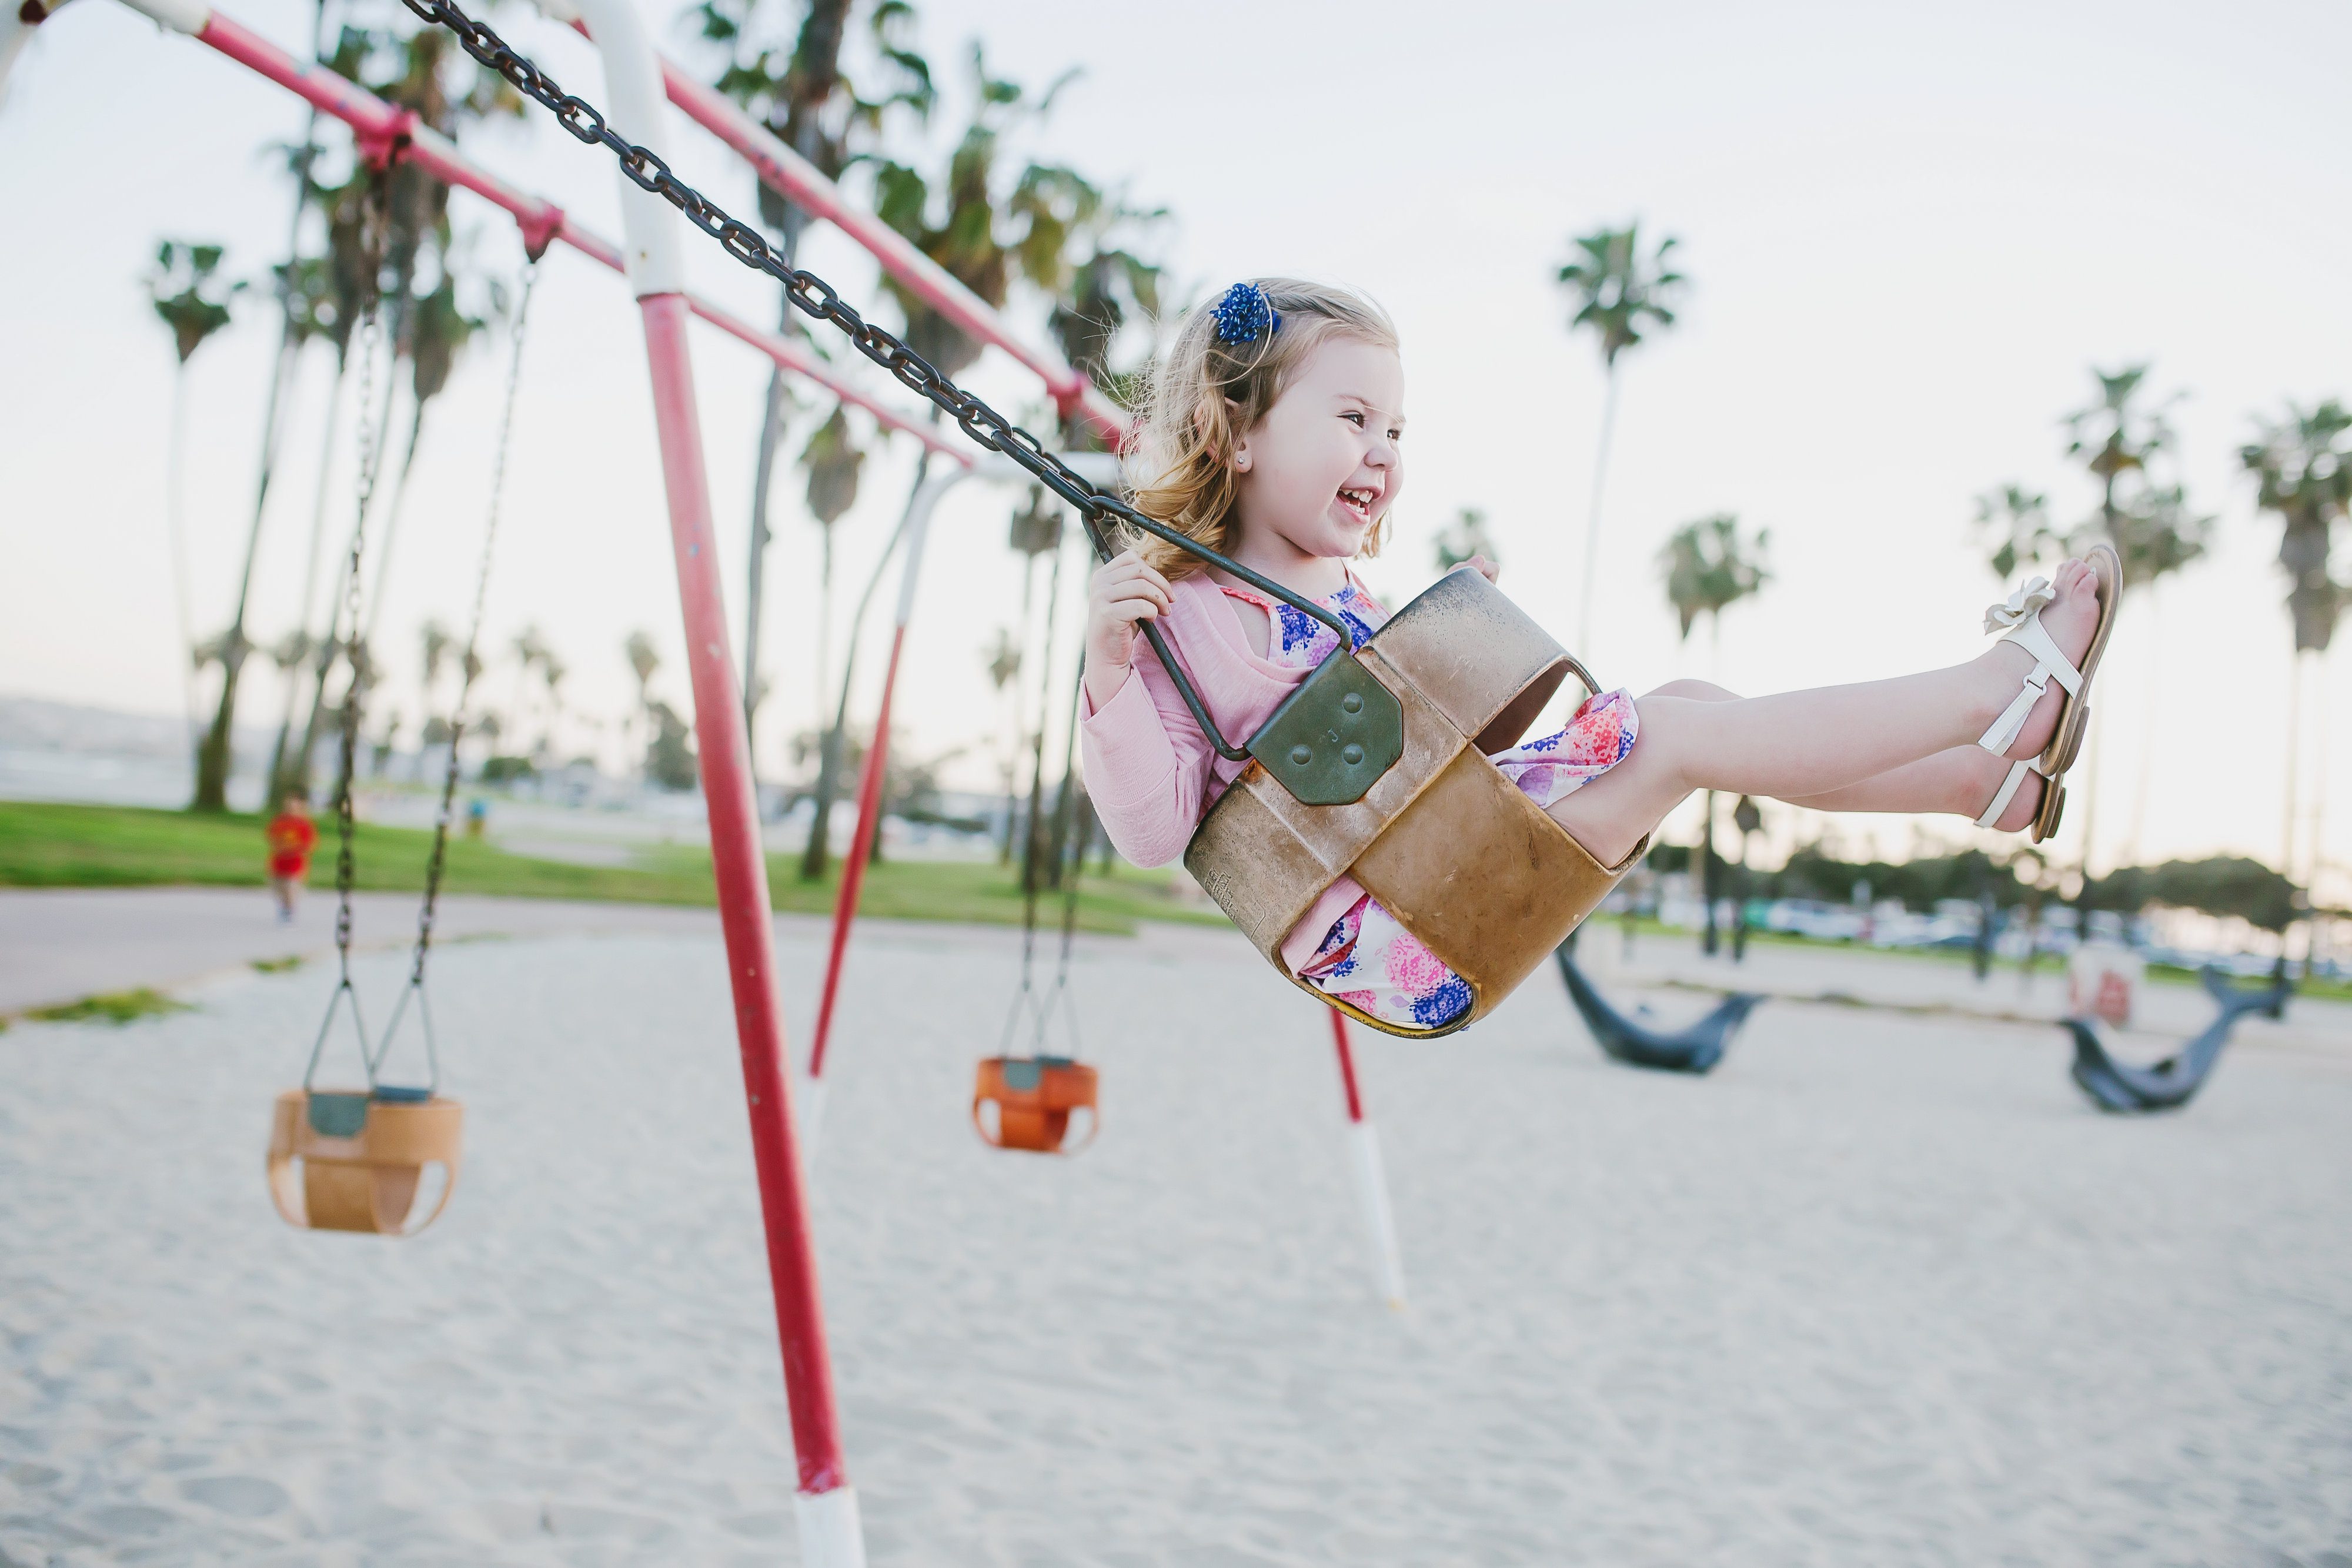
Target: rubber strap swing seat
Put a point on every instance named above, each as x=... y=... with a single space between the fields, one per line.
x=2124 y=1089
x=1697 y=1049
x=1376 y=767
x=1028 y=1103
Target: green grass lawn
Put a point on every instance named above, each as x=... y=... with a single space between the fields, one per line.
x=45 y=845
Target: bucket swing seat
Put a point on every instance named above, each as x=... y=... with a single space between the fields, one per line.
x=1377 y=768
x=355 y=1159
x=1033 y=1099
x=1027 y=1102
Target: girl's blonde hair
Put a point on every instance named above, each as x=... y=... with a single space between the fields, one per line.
x=1204 y=394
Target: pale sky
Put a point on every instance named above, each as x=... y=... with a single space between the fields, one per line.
x=1910 y=234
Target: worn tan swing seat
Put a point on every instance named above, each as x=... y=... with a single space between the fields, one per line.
x=362 y=1158
x=1464 y=861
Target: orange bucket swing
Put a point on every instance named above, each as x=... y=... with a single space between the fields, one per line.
x=1026 y=1102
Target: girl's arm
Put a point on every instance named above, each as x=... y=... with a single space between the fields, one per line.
x=1147 y=761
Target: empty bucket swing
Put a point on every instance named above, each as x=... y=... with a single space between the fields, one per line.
x=357 y=1159
x=1027 y=1103
x=361 y=1159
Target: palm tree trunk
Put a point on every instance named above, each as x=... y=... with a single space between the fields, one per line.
x=1592 y=518
x=290 y=773
x=1034 y=841
x=1012 y=757
x=215 y=759
x=2293 y=763
x=213 y=762
x=816 y=854
x=392 y=524
x=1707 y=875
x=175 y=461
x=2155 y=713
x=772 y=432
x=2315 y=829
x=331 y=646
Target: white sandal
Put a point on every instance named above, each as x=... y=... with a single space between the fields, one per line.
x=2021 y=615
x=2045 y=817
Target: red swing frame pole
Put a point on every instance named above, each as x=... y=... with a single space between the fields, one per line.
x=831 y=1536
x=870 y=775
x=1346 y=1064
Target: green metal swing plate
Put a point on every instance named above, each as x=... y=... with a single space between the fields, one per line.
x=1333 y=738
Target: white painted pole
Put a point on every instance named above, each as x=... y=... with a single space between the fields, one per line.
x=1371 y=1181
x=1372 y=1191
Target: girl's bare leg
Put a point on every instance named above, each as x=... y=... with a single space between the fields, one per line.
x=1960 y=782
x=1807 y=744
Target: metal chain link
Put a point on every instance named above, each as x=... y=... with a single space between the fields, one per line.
x=815 y=298
x=467 y=665
x=375 y=222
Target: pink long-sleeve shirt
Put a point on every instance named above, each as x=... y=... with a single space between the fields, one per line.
x=1152 y=774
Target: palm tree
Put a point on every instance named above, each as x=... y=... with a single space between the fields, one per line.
x=194 y=303
x=552 y=672
x=214 y=759
x=437 y=643
x=1708 y=569
x=327 y=292
x=2121 y=443
x=438 y=331
x=423 y=74
x=2303 y=468
x=1465 y=540
x=815 y=108
x=983 y=236
x=834 y=463
x=643 y=661
x=2015 y=522
x=1620 y=294
x=529 y=651
x=1001 y=660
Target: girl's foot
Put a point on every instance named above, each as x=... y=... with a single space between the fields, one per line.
x=2072 y=619
x=2013 y=809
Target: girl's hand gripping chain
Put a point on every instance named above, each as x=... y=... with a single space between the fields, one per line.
x=1122 y=591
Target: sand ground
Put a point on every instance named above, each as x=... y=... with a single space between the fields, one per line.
x=1882 y=1291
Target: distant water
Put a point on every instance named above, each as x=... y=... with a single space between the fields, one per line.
x=30 y=773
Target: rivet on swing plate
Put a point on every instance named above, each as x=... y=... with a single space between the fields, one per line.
x=1302 y=755
x=1353 y=702
x=1351 y=755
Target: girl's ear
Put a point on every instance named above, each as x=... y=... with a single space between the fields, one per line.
x=1241 y=440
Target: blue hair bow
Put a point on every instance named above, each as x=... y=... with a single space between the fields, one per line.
x=1244 y=315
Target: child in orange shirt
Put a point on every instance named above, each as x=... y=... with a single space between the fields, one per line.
x=292 y=836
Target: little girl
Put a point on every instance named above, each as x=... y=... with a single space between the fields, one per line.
x=1272 y=433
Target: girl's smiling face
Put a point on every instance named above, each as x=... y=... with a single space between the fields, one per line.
x=1321 y=469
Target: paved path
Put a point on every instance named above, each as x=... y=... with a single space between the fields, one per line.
x=59 y=944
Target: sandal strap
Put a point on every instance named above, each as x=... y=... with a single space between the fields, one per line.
x=2048 y=661
x=2008 y=792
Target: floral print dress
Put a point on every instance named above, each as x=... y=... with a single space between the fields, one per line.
x=1367 y=960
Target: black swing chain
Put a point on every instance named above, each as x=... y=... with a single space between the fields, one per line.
x=1069 y=866
x=815 y=298
x=374 y=225
x=1032 y=842
x=468 y=662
